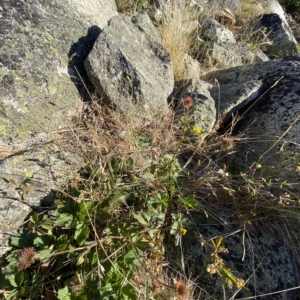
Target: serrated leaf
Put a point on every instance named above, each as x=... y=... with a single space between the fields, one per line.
x=47 y=224
x=64 y=294
x=23 y=239
x=190 y=202
x=82 y=233
x=158 y=217
x=160 y=199
x=61 y=243
x=64 y=219
x=13 y=257
x=86 y=207
x=140 y=219
x=44 y=255
x=43 y=241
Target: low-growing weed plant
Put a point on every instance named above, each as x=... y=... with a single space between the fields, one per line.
x=140 y=185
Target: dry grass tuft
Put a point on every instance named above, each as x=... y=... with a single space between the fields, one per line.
x=178 y=30
x=109 y=134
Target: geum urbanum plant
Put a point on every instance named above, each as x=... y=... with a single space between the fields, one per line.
x=109 y=219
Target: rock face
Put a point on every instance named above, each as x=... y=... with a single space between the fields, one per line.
x=218 y=33
x=216 y=5
x=232 y=97
x=34 y=75
x=259 y=258
x=196 y=103
x=275 y=33
x=275 y=115
x=222 y=47
x=129 y=65
x=38 y=97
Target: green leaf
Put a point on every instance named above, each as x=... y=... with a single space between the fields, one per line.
x=190 y=202
x=153 y=168
x=36 y=290
x=219 y=242
x=86 y=207
x=147 y=176
x=43 y=241
x=107 y=292
x=158 y=217
x=67 y=206
x=104 y=215
x=13 y=257
x=19 y=278
x=228 y=274
x=34 y=218
x=47 y=224
x=82 y=233
x=61 y=243
x=147 y=289
x=44 y=255
x=64 y=294
x=11 y=279
x=160 y=199
x=129 y=257
x=163 y=173
x=37 y=278
x=175 y=228
x=23 y=239
x=140 y=219
x=13 y=294
x=128 y=292
x=64 y=219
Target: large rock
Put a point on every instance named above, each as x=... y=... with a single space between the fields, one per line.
x=221 y=46
x=192 y=67
x=129 y=66
x=275 y=114
x=228 y=55
x=232 y=97
x=272 y=6
x=216 y=5
x=195 y=102
x=217 y=33
x=38 y=98
x=273 y=32
x=258 y=258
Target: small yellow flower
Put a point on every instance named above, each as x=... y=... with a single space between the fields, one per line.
x=182 y=231
x=197 y=130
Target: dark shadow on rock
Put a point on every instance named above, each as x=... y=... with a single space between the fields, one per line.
x=77 y=55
